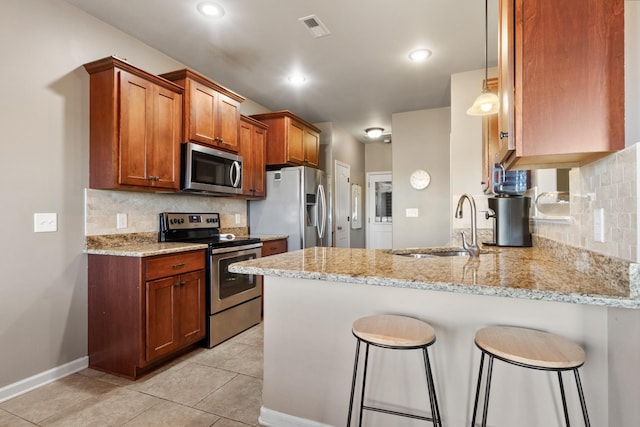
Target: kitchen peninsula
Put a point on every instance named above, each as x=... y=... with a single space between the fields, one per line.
x=315 y=295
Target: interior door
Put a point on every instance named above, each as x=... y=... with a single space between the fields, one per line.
x=342 y=205
x=379 y=215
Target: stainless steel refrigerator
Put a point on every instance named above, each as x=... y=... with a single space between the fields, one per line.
x=296 y=206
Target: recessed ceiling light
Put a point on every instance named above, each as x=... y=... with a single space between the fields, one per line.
x=297 y=79
x=419 y=55
x=211 y=9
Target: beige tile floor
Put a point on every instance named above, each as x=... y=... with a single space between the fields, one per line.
x=220 y=387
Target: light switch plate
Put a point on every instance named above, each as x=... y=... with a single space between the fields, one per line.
x=121 y=220
x=45 y=222
x=411 y=212
x=598 y=225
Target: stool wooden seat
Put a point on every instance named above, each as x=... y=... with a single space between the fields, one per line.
x=530 y=349
x=396 y=333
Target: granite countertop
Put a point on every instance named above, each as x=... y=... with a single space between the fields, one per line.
x=146 y=244
x=547 y=271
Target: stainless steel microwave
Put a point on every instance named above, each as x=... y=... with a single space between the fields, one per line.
x=207 y=170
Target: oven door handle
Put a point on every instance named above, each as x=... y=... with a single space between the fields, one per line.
x=235 y=167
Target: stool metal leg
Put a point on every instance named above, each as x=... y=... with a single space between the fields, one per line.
x=582 y=401
x=564 y=400
x=486 y=392
x=364 y=382
x=475 y=404
x=353 y=382
x=433 y=400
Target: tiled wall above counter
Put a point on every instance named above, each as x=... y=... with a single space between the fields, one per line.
x=610 y=184
x=102 y=208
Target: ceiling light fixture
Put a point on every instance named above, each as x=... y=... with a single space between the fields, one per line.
x=374 y=133
x=297 y=79
x=487 y=102
x=419 y=55
x=211 y=10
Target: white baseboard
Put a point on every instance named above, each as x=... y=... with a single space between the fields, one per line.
x=12 y=390
x=271 y=418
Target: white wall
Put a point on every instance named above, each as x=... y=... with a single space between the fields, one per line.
x=466 y=147
x=337 y=144
x=421 y=141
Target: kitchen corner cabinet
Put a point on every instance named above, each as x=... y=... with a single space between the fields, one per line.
x=142 y=311
x=561 y=81
x=253 y=140
x=291 y=140
x=135 y=128
x=211 y=112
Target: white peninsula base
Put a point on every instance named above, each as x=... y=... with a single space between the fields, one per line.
x=309 y=352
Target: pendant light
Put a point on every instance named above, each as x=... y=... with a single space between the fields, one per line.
x=487 y=102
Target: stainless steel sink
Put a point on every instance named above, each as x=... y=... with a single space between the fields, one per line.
x=430 y=252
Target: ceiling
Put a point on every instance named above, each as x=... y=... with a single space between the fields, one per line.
x=357 y=76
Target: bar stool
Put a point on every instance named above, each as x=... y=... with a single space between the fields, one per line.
x=530 y=349
x=396 y=333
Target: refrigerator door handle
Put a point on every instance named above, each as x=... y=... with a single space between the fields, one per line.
x=235 y=168
x=322 y=220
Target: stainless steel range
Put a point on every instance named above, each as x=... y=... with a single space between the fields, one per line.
x=234 y=300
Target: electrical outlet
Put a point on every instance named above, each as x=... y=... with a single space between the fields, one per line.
x=238 y=219
x=121 y=220
x=45 y=222
x=598 y=225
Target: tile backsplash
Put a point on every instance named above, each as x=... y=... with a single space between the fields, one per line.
x=142 y=209
x=610 y=184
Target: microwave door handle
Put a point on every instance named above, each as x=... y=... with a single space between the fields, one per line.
x=235 y=168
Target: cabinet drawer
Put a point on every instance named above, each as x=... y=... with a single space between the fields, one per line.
x=273 y=247
x=169 y=265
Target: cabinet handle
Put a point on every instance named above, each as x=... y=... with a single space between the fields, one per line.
x=177 y=285
x=504 y=135
x=177 y=266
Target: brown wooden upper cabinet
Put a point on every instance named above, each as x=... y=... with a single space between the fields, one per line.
x=135 y=128
x=561 y=81
x=253 y=145
x=211 y=112
x=290 y=140
x=490 y=142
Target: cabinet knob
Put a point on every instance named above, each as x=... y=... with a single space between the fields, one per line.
x=504 y=135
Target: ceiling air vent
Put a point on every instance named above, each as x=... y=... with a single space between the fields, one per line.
x=315 y=26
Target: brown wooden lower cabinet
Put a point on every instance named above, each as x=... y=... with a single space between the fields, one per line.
x=142 y=311
x=272 y=247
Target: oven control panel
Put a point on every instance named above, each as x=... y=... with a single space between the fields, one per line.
x=188 y=221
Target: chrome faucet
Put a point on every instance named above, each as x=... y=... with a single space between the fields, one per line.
x=472 y=248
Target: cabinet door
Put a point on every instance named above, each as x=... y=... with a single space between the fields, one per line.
x=295 y=140
x=259 y=160
x=161 y=316
x=192 y=307
x=163 y=154
x=136 y=129
x=311 y=147
x=228 y=123
x=202 y=123
x=506 y=84
x=246 y=130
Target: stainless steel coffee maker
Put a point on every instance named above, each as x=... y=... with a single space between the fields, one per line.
x=509 y=208
x=510 y=220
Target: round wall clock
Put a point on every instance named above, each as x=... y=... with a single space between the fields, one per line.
x=420 y=179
